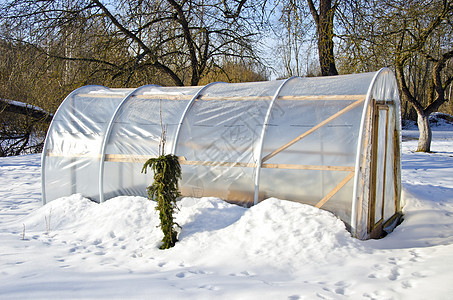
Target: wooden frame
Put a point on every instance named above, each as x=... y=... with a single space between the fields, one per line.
x=368 y=123
x=359 y=99
x=396 y=163
x=373 y=224
x=307 y=167
x=235 y=98
x=324 y=97
x=105 y=95
x=287 y=98
x=183 y=161
x=165 y=97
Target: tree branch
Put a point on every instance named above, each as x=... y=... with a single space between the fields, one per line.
x=437 y=81
x=236 y=14
x=190 y=43
x=313 y=11
x=448 y=82
x=142 y=45
x=405 y=89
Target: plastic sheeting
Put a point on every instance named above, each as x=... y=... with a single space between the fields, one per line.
x=310 y=140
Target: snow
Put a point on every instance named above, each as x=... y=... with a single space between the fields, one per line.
x=441 y=125
x=74 y=248
x=23 y=104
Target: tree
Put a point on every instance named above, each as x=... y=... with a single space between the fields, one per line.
x=176 y=39
x=415 y=37
x=297 y=18
x=22 y=123
x=421 y=38
x=324 y=19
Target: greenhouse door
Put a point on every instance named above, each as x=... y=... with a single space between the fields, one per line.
x=378 y=174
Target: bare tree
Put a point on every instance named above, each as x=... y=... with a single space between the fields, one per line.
x=415 y=37
x=22 y=125
x=421 y=41
x=306 y=22
x=295 y=38
x=177 y=39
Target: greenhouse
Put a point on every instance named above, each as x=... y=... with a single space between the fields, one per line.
x=330 y=142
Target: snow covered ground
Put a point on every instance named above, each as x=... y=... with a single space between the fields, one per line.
x=73 y=248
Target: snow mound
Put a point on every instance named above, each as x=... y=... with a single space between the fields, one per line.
x=275 y=232
x=76 y=218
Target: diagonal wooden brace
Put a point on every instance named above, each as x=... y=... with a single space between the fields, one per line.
x=335 y=190
x=313 y=129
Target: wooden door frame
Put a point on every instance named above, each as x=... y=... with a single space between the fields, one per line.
x=375 y=228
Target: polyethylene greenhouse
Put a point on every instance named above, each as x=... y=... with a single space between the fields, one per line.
x=331 y=142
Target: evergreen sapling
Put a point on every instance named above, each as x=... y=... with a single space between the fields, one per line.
x=164 y=190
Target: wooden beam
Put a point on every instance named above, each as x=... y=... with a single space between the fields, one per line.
x=313 y=129
x=164 y=96
x=335 y=190
x=127 y=158
x=236 y=98
x=72 y=155
x=384 y=102
x=102 y=95
x=396 y=163
x=292 y=98
x=323 y=97
x=307 y=167
x=183 y=161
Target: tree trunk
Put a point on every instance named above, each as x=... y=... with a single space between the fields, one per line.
x=326 y=56
x=424 y=140
x=425 y=137
x=325 y=39
x=323 y=17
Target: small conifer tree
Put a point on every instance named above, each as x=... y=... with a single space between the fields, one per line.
x=164 y=190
